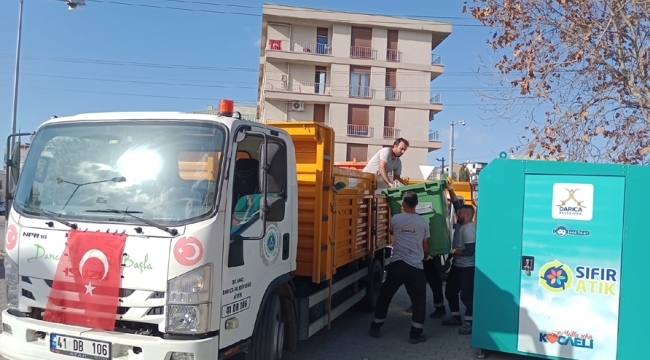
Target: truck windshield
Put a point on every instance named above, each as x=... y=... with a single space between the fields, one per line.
x=162 y=171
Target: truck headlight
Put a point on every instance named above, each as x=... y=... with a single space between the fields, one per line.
x=188 y=301
x=13 y=283
x=188 y=319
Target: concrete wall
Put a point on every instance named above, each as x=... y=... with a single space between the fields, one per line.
x=414 y=86
x=415 y=46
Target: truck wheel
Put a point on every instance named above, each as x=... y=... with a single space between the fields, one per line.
x=268 y=338
x=373 y=287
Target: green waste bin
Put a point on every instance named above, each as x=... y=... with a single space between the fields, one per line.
x=432 y=205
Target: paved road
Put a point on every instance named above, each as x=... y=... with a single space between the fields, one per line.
x=348 y=338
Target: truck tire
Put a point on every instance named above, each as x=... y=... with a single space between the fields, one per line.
x=268 y=338
x=373 y=287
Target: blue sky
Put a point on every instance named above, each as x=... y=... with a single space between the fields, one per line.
x=112 y=57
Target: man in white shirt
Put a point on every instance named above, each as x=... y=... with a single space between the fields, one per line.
x=411 y=232
x=388 y=160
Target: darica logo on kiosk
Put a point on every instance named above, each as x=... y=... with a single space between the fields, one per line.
x=558 y=277
x=573 y=201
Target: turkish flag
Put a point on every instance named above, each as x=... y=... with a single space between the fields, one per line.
x=86 y=286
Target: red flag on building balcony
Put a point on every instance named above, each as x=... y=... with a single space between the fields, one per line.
x=86 y=286
x=275 y=44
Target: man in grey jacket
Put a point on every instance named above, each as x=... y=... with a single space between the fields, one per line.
x=461 y=276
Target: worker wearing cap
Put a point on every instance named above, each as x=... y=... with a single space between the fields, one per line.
x=388 y=160
x=410 y=248
x=440 y=263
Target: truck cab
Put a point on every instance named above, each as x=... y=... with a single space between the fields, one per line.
x=208 y=207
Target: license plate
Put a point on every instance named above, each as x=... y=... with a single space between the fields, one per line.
x=80 y=348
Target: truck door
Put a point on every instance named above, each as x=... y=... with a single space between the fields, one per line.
x=255 y=251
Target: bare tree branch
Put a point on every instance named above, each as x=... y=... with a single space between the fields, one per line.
x=583 y=64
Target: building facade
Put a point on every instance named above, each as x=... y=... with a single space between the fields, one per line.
x=367 y=76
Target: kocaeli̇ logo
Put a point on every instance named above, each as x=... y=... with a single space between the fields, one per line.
x=573 y=201
x=555 y=276
x=568 y=338
x=270 y=245
x=563 y=230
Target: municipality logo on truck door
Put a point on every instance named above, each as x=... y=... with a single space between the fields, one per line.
x=573 y=201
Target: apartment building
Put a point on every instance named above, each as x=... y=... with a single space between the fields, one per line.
x=367 y=76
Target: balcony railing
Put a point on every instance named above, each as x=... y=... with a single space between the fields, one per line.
x=391 y=132
x=393 y=94
x=363 y=52
x=393 y=55
x=436 y=98
x=359 y=130
x=362 y=92
x=436 y=59
x=434 y=135
x=312 y=48
x=303 y=87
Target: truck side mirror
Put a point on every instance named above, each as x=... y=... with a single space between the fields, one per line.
x=275 y=207
x=274 y=173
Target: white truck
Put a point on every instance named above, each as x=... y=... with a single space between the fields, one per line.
x=241 y=237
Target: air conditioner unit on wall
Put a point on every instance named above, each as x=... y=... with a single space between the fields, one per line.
x=297 y=106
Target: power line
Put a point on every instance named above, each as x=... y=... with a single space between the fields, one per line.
x=217 y=84
x=249 y=101
x=201 y=67
x=397 y=21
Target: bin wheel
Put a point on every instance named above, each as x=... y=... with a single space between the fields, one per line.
x=268 y=338
x=373 y=287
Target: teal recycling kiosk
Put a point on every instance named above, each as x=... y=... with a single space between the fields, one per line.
x=560 y=259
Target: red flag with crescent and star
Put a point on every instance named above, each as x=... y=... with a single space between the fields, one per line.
x=86 y=285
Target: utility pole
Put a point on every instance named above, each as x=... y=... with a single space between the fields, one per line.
x=451 y=162
x=72 y=4
x=451 y=146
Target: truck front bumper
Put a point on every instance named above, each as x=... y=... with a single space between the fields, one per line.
x=24 y=344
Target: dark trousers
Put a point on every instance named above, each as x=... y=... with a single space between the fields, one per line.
x=397 y=274
x=434 y=280
x=461 y=281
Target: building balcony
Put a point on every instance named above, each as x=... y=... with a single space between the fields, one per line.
x=435 y=104
x=436 y=66
x=285 y=50
x=391 y=132
x=360 y=130
x=363 y=52
x=312 y=48
x=434 y=135
x=434 y=140
x=365 y=92
x=393 y=94
x=302 y=87
x=393 y=55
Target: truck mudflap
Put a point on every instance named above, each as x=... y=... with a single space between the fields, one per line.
x=28 y=339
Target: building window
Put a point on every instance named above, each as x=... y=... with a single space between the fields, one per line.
x=322 y=41
x=320 y=79
x=357 y=152
x=359 y=82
